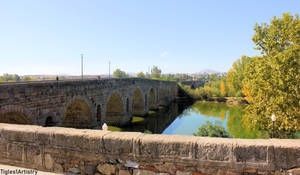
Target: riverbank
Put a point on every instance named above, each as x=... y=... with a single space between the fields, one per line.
x=227 y=100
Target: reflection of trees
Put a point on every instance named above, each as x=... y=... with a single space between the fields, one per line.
x=239 y=126
x=210 y=109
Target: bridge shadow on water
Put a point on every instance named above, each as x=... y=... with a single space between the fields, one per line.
x=157 y=121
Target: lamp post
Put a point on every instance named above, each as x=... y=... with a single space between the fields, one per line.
x=81 y=66
x=273 y=117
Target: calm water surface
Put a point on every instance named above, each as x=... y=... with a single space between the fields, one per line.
x=185 y=119
x=229 y=116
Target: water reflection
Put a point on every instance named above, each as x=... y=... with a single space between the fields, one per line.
x=230 y=116
x=182 y=119
x=157 y=122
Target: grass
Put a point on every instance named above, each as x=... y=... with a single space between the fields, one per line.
x=136 y=119
x=160 y=107
x=114 y=128
x=151 y=112
x=147 y=132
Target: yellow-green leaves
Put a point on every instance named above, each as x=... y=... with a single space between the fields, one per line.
x=272 y=80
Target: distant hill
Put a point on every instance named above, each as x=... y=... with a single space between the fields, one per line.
x=209 y=71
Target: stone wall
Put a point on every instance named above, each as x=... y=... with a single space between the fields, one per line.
x=35 y=102
x=86 y=151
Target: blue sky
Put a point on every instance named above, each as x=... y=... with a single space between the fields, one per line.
x=48 y=36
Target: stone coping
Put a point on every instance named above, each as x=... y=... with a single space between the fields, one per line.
x=190 y=151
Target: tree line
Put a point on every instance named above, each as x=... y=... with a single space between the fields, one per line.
x=15 y=78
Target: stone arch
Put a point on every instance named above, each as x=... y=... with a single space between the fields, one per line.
x=98 y=114
x=78 y=114
x=151 y=99
x=114 y=109
x=49 y=121
x=138 y=105
x=15 y=114
x=161 y=96
x=127 y=105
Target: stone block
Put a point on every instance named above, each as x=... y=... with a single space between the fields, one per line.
x=213 y=149
x=143 y=172
x=155 y=146
x=183 y=173
x=295 y=171
x=256 y=154
x=107 y=169
x=120 y=143
x=124 y=172
x=48 y=162
x=58 y=168
x=15 y=152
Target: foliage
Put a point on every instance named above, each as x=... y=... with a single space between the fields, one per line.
x=212 y=130
x=272 y=80
x=155 y=72
x=114 y=128
x=214 y=88
x=15 y=78
x=118 y=73
x=28 y=78
x=223 y=89
x=151 y=112
x=141 y=75
x=10 y=77
x=235 y=76
x=147 y=132
x=136 y=119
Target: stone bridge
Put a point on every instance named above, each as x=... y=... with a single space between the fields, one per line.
x=194 y=84
x=82 y=103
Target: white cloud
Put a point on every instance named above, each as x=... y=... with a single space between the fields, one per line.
x=163 y=54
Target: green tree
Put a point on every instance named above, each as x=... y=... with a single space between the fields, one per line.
x=118 y=73
x=235 y=75
x=212 y=130
x=11 y=77
x=141 y=75
x=272 y=80
x=155 y=72
x=27 y=78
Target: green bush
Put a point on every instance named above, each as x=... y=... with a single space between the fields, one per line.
x=211 y=130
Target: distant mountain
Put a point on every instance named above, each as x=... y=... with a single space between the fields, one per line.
x=209 y=71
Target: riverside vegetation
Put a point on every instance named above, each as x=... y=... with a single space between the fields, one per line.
x=270 y=82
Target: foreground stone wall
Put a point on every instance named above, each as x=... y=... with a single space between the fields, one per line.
x=85 y=151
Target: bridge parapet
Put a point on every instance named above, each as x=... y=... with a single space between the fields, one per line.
x=86 y=151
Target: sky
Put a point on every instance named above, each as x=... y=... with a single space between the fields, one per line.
x=186 y=36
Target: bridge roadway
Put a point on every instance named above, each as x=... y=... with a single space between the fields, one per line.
x=82 y=103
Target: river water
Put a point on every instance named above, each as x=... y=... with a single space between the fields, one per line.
x=185 y=119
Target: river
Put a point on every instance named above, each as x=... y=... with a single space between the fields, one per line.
x=185 y=119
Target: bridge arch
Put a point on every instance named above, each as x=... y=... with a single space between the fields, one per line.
x=49 y=119
x=78 y=114
x=114 y=109
x=99 y=116
x=151 y=99
x=161 y=96
x=138 y=103
x=16 y=114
